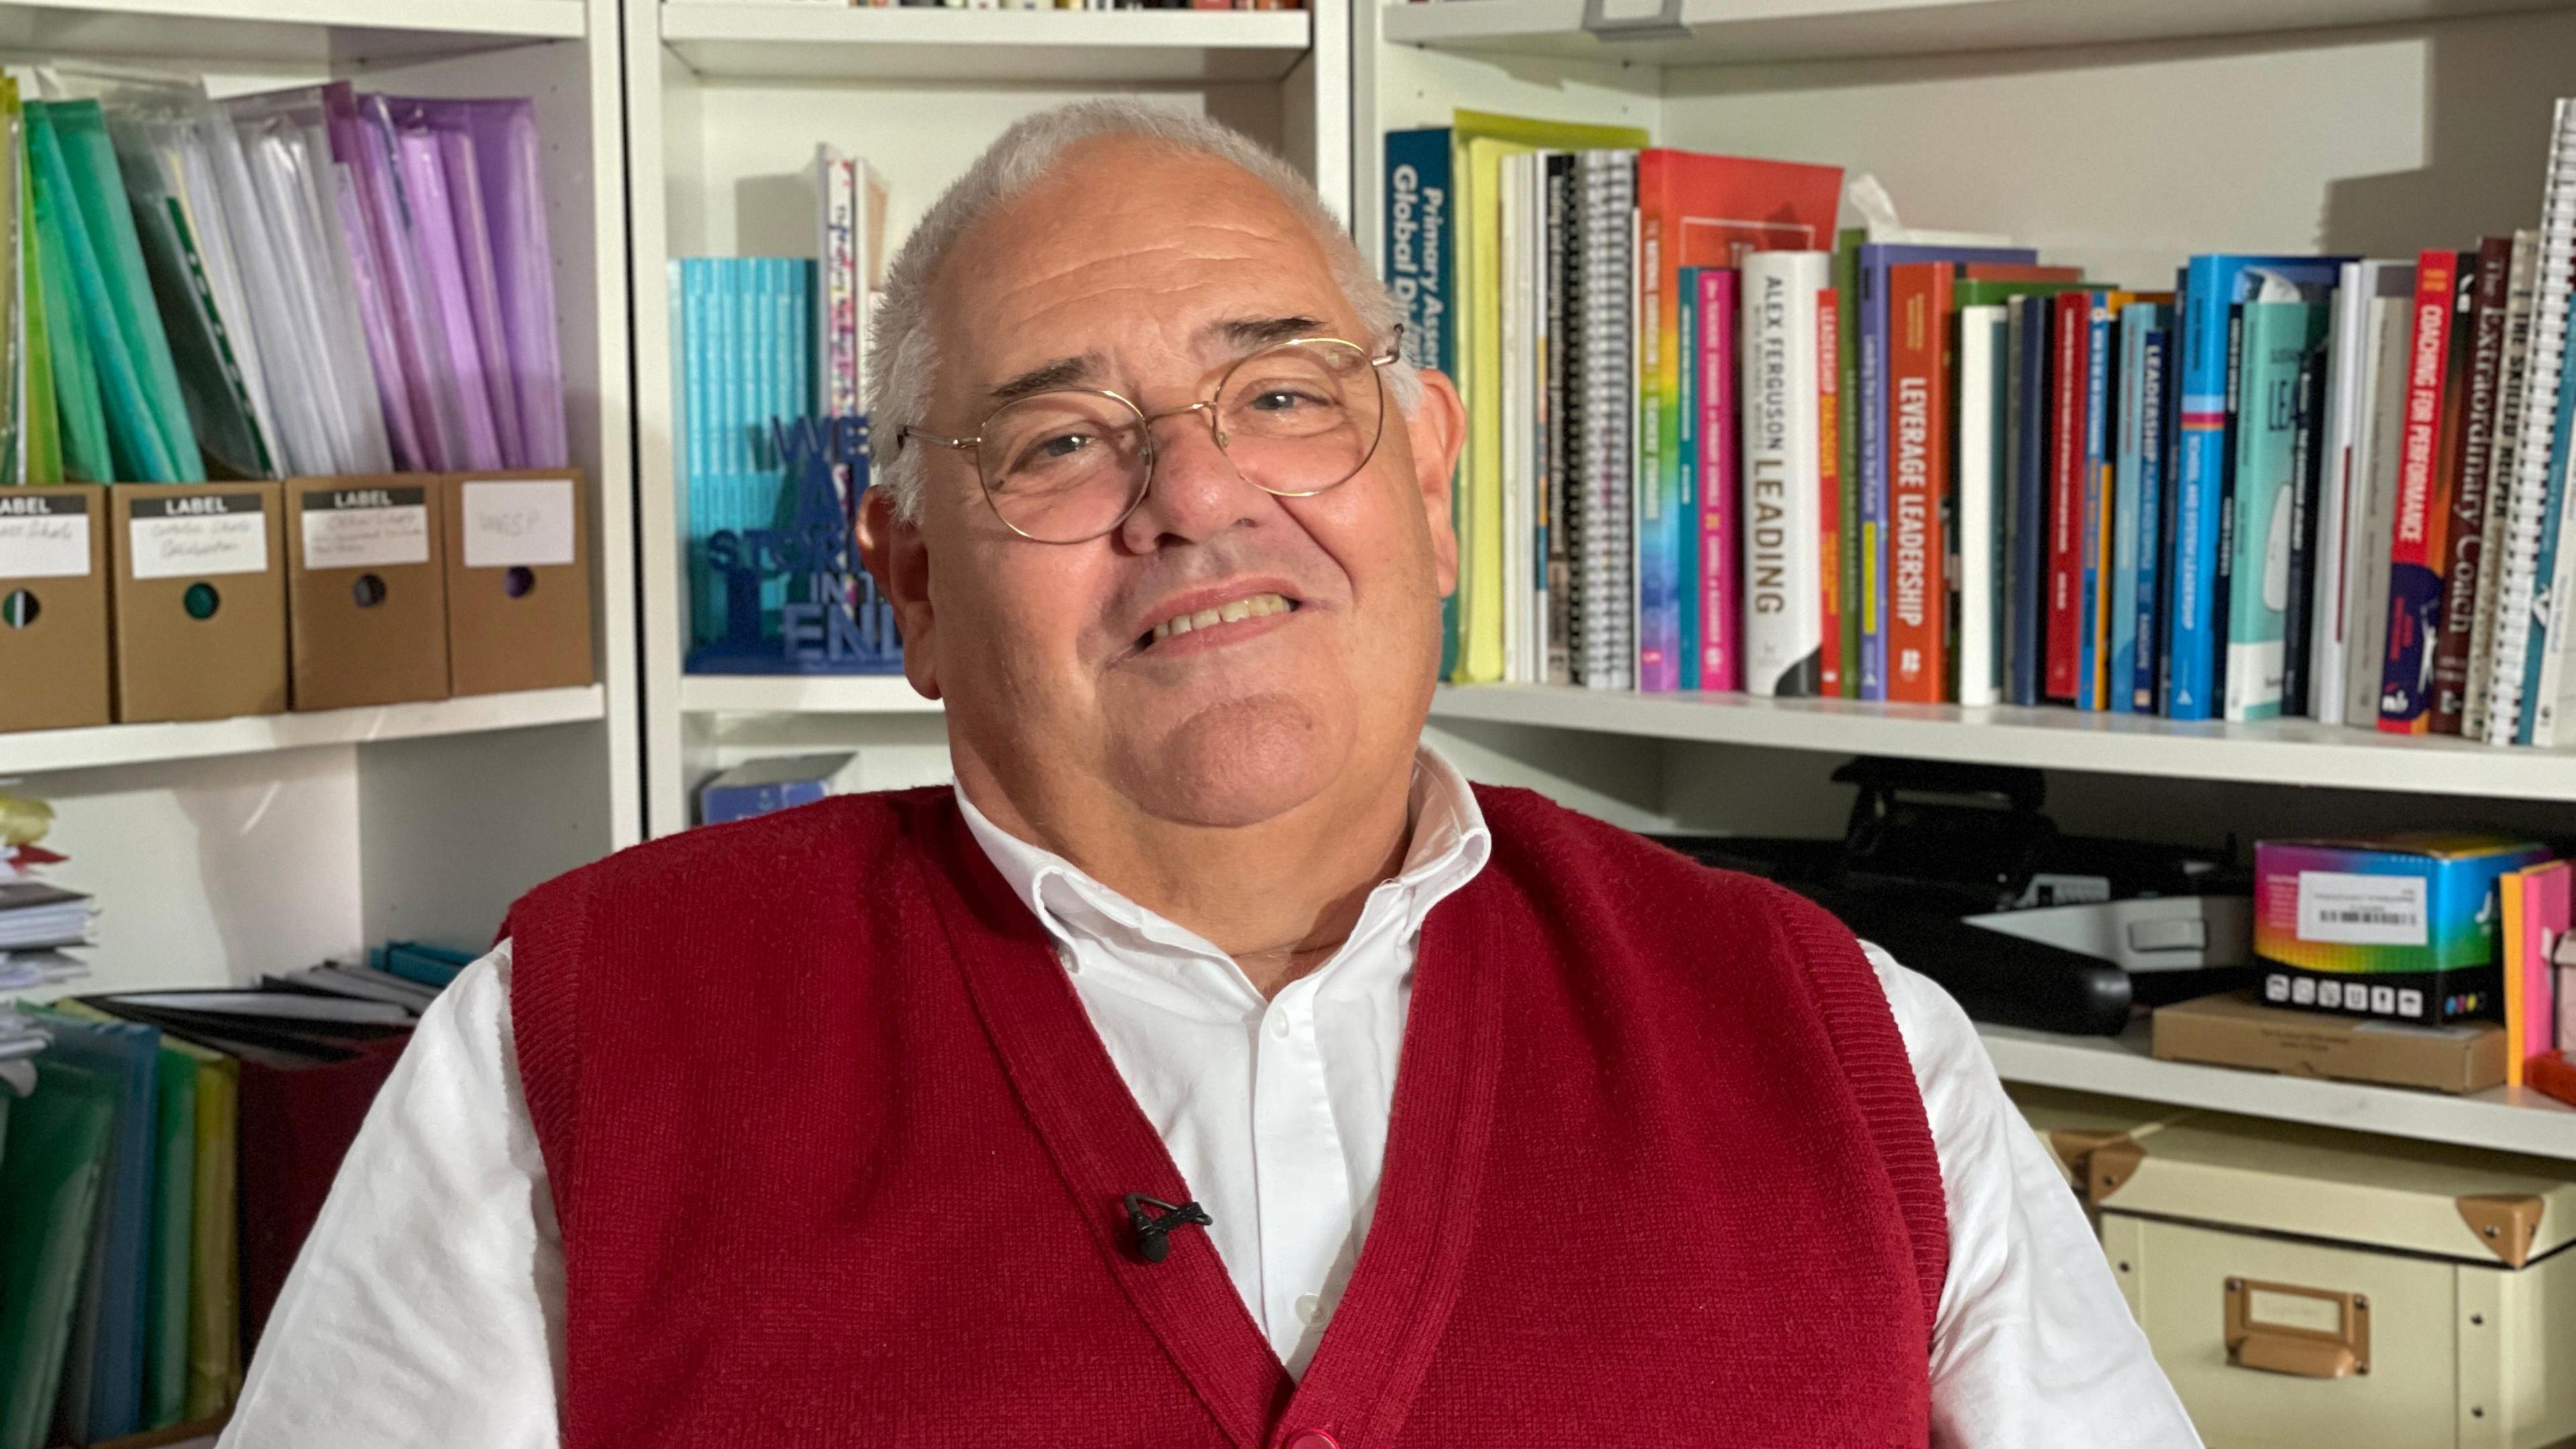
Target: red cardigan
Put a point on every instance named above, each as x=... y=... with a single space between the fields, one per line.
x=839 y=1160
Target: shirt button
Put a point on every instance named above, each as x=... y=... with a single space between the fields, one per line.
x=1309 y=1308
x=1312 y=1439
x=1279 y=1025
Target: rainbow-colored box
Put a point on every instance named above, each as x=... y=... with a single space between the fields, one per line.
x=2397 y=926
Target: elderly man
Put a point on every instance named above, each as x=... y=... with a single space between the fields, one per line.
x=1213 y=1065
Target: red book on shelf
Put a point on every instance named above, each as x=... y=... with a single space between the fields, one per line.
x=1829 y=509
x=2017 y=272
x=2070 y=342
x=2417 y=557
x=1918 y=479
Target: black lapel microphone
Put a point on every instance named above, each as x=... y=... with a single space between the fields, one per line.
x=1153 y=1240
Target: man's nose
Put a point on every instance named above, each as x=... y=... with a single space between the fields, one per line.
x=1197 y=491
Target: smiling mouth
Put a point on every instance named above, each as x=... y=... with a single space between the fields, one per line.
x=1257 y=606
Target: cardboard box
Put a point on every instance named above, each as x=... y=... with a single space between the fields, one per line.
x=2394 y=926
x=518 y=581
x=53 y=607
x=2236 y=1031
x=366 y=591
x=200 y=600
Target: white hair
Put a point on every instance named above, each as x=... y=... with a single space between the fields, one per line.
x=903 y=357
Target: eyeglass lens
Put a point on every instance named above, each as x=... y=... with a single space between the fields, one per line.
x=1067 y=466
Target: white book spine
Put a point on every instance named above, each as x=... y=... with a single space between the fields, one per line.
x=2518 y=595
x=1512 y=234
x=2334 y=492
x=2503 y=451
x=1609 y=237
x=1783 y=472
x=2374 y=472
x=1982 y=501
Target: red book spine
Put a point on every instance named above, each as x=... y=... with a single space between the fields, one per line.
x=2415 y=553
x=1829 y=508
x=2467 y=454
x=1721 y=652
x=1918 y=296
x=2071 y=319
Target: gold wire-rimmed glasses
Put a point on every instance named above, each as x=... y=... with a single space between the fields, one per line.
x=1069 y=464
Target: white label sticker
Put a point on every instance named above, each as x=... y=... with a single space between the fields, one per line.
x=44 y=546
x=200 y=546
x=518 y=523
x=2294 y=1310
x=2361 y=910
x=356 y=538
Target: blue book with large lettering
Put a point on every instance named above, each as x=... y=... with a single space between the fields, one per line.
x=2214 y=286
x=1421 y=268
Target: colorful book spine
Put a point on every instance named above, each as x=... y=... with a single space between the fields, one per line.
x=2474 y=453
x=1694 y=562
x=2155 y=464
x=1847 y=392
x=1422 y=270
x=2128 y=498
x=1829 y=493
x=2070 y=330
x=2026 y=532
x=2417 y=553
x=2093 y=640
x=1783 y=620
x=2279 y=336
x=1918 y=429
x=1658 y=468
x=1721 y=664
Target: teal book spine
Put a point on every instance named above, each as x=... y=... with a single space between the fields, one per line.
x=1686 y=450
x=2278 y=337
x=135 y=453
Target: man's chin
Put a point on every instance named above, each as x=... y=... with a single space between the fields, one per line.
x=1237 y=764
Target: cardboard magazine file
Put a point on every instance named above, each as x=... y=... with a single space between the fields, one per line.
x=366 y=591
x=200 y=600
x=518 y=581
x=53 y=607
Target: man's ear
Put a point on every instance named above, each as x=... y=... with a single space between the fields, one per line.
x=899 y=561
x=1438 y=428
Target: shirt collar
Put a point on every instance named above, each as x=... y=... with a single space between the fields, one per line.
x=1450 y=844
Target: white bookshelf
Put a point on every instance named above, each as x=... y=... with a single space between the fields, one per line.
x=2121 y=136
x=223 y=849
x=726 y=103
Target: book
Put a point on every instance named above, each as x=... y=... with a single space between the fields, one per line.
x=2346 y=328
x=2371 y=511
x=2070 y=344
x=1556 y=397
x=2281 y=331
x=2094 y=593
x=2155 y=464
x=2417 y=547
x=1697 y=210
x=1783 y=472
x=1604 y=624
x=2534 y=904
x=1829 y=493
x=1870 y=410
x=1847 y=404
x=2488 y=284
x=1420 y=270
x=1721 y=663
x=2299 y=618
x=1917 y=449
x=2030 y=337
x=2214 y=286
x=1984 y=486
x=2539 y=475
x=2521 y=292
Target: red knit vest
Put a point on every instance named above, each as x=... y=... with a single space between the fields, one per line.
x=839 y=1160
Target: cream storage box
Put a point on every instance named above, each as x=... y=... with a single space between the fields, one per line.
x=2311 y=1289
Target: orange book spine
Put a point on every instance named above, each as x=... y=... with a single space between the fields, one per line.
x=1918 y=491
x=1830 y=502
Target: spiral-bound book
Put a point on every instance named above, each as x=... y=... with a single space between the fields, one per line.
x=2537 y=487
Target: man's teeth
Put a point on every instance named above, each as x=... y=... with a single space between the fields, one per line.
x=1258 y=606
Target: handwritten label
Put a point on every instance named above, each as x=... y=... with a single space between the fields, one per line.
x=44 y=537
x=201 y=536
x=518 y=523
x=354 y=528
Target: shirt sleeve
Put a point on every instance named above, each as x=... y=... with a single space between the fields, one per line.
x=2033 y=1347
x=426 y=1310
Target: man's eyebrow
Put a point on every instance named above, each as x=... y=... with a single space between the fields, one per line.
x=1246 y=334
x=1063 y=372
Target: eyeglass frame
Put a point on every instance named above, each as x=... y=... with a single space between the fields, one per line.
x=1393 y=354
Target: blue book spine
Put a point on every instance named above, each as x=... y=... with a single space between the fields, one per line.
x=2026 y=564
x=2155 y=430
x=1420 y=267
x=2128 y=497
x=1871 y=416
x=1686 y=518
x=2089 y=689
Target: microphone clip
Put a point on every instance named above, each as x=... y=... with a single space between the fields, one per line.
x=1152 y=1231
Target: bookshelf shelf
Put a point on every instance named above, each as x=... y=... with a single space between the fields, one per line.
x=37 y=751
x=806 y=42
x=2505 y=1119
x=339 y=33
x=2283 y=752
x=1737 y=32
x=801 y=694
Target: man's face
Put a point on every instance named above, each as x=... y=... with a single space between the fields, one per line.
x=1145 y=271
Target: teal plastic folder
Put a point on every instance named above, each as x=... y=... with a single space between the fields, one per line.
x=80 y=128
x=51 y=1177
x=74 y=374
x=137 y=449
x=174 y=1189
x=102 y=1394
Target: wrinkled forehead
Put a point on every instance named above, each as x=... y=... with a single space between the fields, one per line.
x=1132 y=252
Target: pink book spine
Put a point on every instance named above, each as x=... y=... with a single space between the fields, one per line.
x=2548 y=899
x=1721 y=664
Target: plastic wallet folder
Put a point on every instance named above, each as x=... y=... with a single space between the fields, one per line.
x=52 y=1177
x=214 y=1248
x=102 y=1394
x=174 y=1205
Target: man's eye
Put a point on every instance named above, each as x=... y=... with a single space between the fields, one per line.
x=1063 y=445
x=1284 y=399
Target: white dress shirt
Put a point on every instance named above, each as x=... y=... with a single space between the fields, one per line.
x=426 y=1311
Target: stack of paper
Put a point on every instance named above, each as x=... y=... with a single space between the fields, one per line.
x=39 y=917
